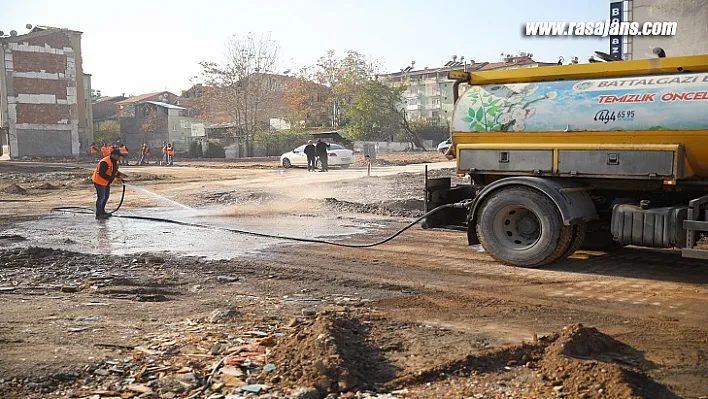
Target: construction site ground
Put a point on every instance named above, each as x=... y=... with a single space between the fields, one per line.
x=127 y=308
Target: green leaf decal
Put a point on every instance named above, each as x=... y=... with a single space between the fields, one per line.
x=480 y=114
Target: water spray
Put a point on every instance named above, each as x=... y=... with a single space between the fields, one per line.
x=466 y=204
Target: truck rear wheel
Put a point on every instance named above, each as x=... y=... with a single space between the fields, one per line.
x=579 y=232
x=520 y=226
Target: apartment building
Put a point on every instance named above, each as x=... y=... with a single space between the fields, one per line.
x=429 y=92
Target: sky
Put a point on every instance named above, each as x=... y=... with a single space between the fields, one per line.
x=144 y=46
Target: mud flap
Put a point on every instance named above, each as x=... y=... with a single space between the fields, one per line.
x=438 y=192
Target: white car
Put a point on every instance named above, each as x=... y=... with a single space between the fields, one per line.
x=337 y=156
x=444 y=146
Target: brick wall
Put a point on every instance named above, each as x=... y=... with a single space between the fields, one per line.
x=39 y=62
x=43 y=114
x=41 y=86
x=54 y=40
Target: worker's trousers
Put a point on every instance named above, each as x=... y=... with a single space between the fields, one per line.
x=102 y=194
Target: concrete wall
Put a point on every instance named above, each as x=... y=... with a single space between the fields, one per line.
x=41 y=94
x=384 y=147
x=691 y=33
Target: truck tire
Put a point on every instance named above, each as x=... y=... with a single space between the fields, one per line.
x=520 y=226
x=579 y=231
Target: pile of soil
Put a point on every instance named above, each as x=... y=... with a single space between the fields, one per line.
x=400 y=208
x=576 y=362
x=333 y=355
x=588 y=363
x=13 y=189
x=47 y=186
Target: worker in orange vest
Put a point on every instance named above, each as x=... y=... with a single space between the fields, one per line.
x=170 y=154
x=106 y=150
x=94 y=151
x=124 y=154
x=106 y=172
x=164 y=153
x=144 y=154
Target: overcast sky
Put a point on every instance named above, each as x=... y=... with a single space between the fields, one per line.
x=134 y=47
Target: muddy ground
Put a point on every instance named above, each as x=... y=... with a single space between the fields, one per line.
x=126 y=308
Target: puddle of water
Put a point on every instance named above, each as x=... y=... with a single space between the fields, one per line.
x=83 y=233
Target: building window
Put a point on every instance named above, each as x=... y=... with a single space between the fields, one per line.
x=436 y=101
x=174 y=127
x=184 y=124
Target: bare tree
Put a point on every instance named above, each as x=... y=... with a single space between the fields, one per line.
x=243 y=83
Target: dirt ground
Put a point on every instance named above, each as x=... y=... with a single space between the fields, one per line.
x=90 y=310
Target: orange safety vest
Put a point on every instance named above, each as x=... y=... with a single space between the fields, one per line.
x=170 y=151
x=94 y=150
x=96 y=178
x=123 y=150
x=164 y=149
x=106 y=150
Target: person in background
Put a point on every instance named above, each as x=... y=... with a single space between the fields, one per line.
x=321 y=148
x=170 y=154
x=94 y=151
x=142 y=154
x=311 y=153
x=145 y=154
x=106 y=150
x=106 y=172
x=164 y=154
x=124 y=154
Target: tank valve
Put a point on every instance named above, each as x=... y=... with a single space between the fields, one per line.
x=645 y=204
x=659 y=52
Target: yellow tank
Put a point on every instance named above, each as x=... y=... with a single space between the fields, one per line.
x=651 y=105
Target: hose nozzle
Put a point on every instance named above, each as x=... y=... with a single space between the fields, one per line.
x=465 y=204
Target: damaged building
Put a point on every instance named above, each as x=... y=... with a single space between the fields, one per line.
x=44 y=95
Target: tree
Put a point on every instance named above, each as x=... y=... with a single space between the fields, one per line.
x=243 y=83
x=306 y=100
x=108 y=132
x=376 y=114
x=344 y=77
x=150 y=122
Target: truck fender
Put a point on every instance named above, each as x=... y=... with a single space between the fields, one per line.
x=571 y=198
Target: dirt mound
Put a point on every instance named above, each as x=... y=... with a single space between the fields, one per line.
x=401 y=208
x=586 y=362
x=47 y=186
x=577 y=362
x=333 y=355
x=13 y=189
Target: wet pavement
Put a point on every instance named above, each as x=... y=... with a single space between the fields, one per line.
x=120 y=236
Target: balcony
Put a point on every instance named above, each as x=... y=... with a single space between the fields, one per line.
x=413 y=107
x=433 y=106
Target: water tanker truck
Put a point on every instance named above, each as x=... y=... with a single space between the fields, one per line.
x=596 y=156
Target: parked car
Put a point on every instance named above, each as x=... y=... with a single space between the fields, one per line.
x=444 y=146
x=337 y=156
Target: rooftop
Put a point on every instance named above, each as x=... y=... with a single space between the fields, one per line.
x=141 y=97
x=165 y=105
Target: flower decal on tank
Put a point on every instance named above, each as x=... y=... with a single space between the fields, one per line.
x=503 y=108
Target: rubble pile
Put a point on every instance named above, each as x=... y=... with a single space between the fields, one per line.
x=13 y=189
